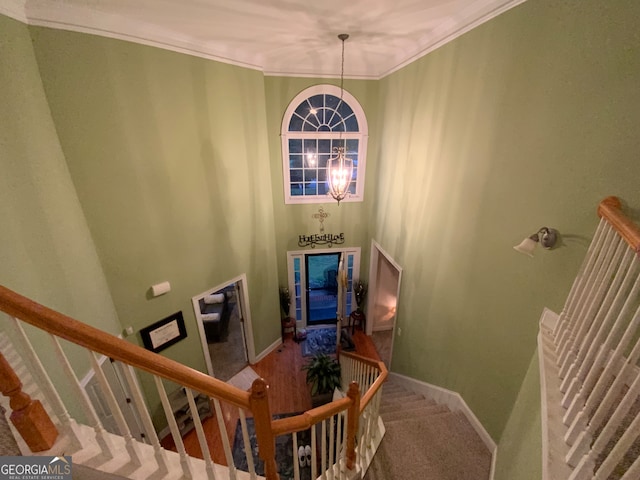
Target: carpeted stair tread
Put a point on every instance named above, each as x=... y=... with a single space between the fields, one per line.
x=391 y=397
x=410 y=415
x=392 y=388
x=416 y=450
x=406 y=406
x=401 y=399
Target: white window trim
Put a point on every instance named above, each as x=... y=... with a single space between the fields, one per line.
x=362 y=136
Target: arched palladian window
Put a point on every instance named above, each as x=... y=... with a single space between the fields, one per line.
x=315 y=122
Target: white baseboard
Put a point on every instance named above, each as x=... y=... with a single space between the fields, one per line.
x=268 y=350
x=455 y=402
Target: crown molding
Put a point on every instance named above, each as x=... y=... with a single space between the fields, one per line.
x=72 y=17
x=481 y=13
x=84 y=20
x=15 y=9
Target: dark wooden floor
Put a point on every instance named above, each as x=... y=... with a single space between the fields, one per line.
x=288 y=392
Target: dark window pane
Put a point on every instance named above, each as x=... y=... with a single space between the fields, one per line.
x=337 y=125
x=317 y=101
x=352 y=146
x=331 y=101
x=324 y=146
x=295 y=146
x=310 y=189
x=303 y=109
x=352 y=188
x=354 y=177
x=296 y=189
x=322 y=175
x=352 y=124
x=310 y=145
x=309 y=126
x=295 y=125
x=324 y=128
x=344 y=110
x=322 y=188
x=310 y=174
x=295 y=161
x=295 y=175
x=322 y=160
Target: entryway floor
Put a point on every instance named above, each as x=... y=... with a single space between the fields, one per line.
x=288 y=392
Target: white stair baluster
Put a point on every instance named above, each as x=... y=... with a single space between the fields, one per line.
x=332 y=446
x=566 y=322
x=247 y=445
x=618 y=452
x=567 y=350
x=138 y=400
x=634 y=471
x=131 y=445
x=579 y=281
x=597 y=378
x=185 y=460
x=202 y=439
x=46 y=385
x=600 y=304
x=225 y=439
x=314 y=467
x=608 y=322
x=296 y=458
x=92 y=418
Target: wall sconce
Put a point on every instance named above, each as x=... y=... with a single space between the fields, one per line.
x=547 y=237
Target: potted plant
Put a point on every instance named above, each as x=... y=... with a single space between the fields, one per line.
x=323 y=374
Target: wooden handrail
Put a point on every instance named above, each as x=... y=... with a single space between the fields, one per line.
x=96 y=340
x=610 y=210
x=373 y=389
x=369 y=361
x=377 y=385
x=305 y=420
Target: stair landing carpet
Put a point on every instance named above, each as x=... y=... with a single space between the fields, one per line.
x=426 y=440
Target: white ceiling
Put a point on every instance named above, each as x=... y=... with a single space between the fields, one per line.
x=278 y=37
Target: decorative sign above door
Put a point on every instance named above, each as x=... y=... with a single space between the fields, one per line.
x=328 y=239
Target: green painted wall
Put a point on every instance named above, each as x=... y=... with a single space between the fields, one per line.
x=46 y=250
x=169 y=156
x=520 y=448
x=354 y=219
x=528 y=120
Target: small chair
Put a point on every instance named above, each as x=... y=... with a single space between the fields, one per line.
x=289 y=322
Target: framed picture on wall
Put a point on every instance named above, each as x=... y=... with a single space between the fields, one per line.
x=164 y=333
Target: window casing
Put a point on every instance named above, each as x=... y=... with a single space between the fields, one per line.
x=315 y=122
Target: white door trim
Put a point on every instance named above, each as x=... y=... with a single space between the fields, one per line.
x=290 y=274
x=247 y=328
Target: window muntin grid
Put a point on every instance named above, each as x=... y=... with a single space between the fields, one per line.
x=316 y=122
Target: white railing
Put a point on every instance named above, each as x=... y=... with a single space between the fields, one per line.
x=342 y=435
x=590 y=357
x=370 y=375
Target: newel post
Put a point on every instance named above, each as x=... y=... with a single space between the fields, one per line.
x=262 y=419
x=28 y=416
x=353 y=417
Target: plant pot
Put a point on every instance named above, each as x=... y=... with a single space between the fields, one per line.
x=321 y=399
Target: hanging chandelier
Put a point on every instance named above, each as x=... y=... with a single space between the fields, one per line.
x=339 y=167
